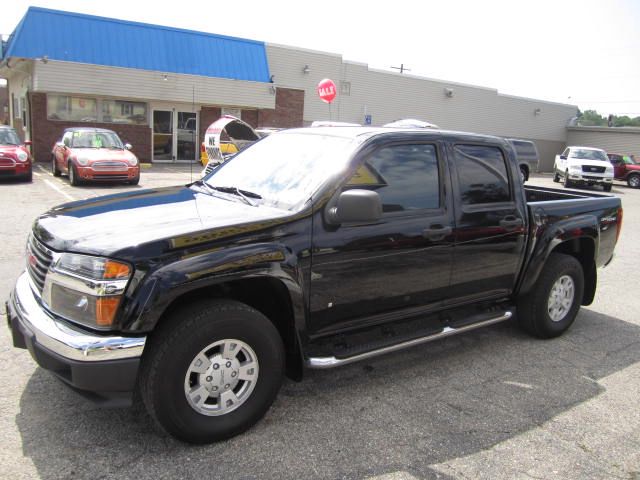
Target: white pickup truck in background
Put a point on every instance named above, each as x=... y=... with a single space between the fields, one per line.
x=583 y=166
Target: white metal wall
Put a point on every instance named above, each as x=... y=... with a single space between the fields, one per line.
x=128 y=83
x=613 y=140
x=388 y=96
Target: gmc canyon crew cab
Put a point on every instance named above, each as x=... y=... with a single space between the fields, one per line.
x=583 y=165
x=312 y=248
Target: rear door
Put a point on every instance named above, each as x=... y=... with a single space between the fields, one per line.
x=490 y=223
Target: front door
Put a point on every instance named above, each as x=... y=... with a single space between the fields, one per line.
x=366 y=274
x=175 y=135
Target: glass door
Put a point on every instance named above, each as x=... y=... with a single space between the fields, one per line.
x=163 y=135
x=187 y=136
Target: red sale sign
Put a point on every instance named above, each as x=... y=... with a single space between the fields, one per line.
x=327 y=90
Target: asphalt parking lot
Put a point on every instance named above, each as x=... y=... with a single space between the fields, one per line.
x=493 y=403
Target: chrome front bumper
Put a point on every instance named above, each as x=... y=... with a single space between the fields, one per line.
x=67 y=342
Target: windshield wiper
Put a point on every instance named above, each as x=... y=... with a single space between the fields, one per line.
x=233 y=190
x=244 y=194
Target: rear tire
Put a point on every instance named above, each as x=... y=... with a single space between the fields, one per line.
x=524 y=175
x=633 y=181
x=186 y=370
x=552 y=305
x=556 y=177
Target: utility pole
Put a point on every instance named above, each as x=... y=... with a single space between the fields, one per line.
x=402 y=68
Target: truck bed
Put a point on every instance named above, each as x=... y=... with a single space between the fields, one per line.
x=542 y=194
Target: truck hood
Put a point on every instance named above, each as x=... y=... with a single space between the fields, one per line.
x=584 y=161
x=149 y=222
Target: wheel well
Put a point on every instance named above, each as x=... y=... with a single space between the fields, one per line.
x=267 y=295
x=583 y=249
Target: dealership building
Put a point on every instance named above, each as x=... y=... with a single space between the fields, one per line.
x=159 y=88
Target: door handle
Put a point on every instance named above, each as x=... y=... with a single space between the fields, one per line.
x=437 y=232
x=511 y=222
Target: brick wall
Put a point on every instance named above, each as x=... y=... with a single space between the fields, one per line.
x=251 y=117
x=289 y=111
x=46 y=132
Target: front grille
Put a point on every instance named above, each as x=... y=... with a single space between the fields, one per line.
x=111 y=176
x=593 y=169
x=109 y=166
x=7 y=162
x=39 y=260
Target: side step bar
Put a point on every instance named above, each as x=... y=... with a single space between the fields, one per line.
x=331 y=362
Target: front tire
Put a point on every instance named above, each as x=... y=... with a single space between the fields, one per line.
x=73 y=175
x=550 y=308
x=212 y=371
x=607 y=187
x=54 y=167
x=633 y=181
x=565 y=180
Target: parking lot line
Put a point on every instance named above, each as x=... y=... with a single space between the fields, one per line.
x=59 y=190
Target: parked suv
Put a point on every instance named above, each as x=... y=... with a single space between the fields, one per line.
x=527 y=156
x=625 y=168
x=583 y=165
x=15 y=159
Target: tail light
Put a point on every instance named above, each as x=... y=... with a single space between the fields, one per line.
x=619 y=224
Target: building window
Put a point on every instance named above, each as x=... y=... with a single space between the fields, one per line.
x=17 y=112
x=120 y=111
x=345 y=88
x=73 y=109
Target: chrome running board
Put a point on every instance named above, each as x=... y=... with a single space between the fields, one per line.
x=331 y=362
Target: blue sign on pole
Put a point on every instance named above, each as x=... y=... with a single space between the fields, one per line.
x=367 y=119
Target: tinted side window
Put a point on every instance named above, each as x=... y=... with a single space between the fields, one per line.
x=482 y=174
x=405 y=177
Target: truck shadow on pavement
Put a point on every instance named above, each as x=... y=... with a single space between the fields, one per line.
x=400 y=412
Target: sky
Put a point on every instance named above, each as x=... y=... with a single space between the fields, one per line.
x=584 y=53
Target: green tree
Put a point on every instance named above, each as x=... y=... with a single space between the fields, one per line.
x=591 y=118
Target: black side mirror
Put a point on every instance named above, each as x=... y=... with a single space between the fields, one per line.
x=563 y=157
x=356 y=206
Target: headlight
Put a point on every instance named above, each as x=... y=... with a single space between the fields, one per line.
x=86 y=289
x=82 y=160
x=609 y=170
x=575 y=168
x=133 y=161
x=22 y=156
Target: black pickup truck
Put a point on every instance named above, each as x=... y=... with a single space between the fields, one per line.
x=312 y=248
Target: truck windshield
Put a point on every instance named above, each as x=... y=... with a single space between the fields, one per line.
x=589 y=155
x=285 y=169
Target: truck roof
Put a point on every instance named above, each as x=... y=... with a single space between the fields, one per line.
x=356 y=132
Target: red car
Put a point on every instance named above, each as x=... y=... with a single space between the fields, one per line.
x=625 y=168
x=94 y=154
x=15 y=159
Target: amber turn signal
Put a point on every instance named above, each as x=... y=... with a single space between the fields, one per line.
x=116 y=270
x=106 y=308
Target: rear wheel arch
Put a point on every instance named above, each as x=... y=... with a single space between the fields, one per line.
x=267 y=295
x=582 y=249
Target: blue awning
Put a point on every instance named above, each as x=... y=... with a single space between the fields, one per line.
x=75 y=37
